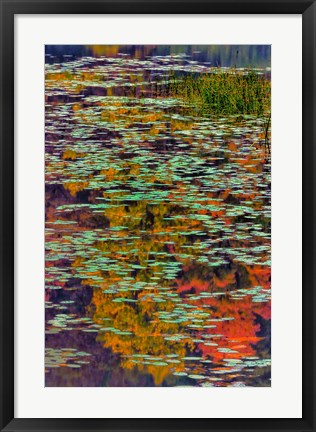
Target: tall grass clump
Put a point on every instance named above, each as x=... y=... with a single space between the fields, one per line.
x=224 y=92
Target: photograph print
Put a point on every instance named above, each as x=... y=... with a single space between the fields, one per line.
x=157 y=215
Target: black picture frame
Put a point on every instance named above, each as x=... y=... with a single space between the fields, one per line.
x=8 y=10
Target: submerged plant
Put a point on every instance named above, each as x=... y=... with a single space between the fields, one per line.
x=266 y=134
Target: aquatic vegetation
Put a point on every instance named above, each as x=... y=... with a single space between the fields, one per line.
x=225 y=92
x=158 y=223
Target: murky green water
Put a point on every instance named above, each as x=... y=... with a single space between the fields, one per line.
x=157 y=231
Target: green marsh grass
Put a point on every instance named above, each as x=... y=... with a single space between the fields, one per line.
x=224 y=92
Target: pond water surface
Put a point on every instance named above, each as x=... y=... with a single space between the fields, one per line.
x=157 y=229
